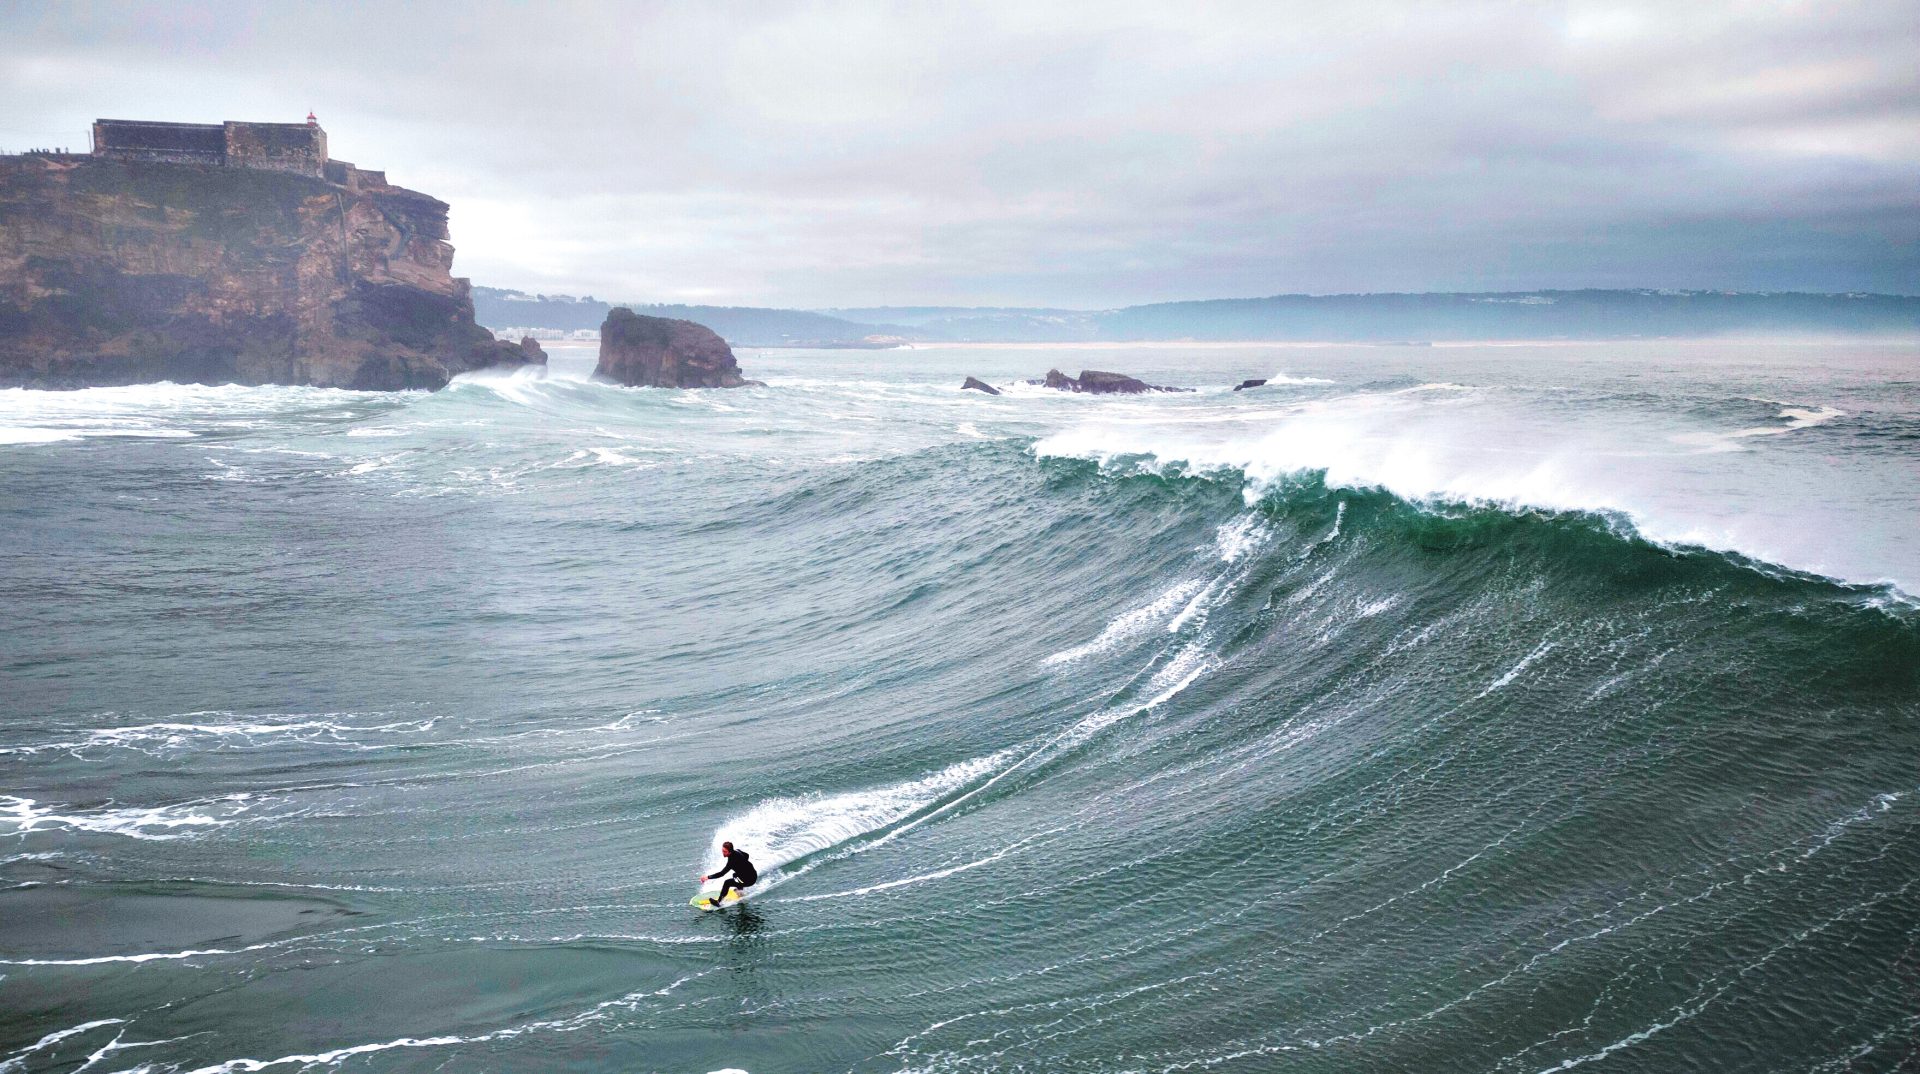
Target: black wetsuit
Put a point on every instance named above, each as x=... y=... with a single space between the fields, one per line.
x=743 y=874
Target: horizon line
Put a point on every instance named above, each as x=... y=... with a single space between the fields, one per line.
x=1673 y=292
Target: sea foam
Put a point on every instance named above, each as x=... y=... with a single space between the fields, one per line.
x=1446 y=443
x=178 y=821
x=782 y=830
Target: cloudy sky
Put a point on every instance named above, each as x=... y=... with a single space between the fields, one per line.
x=1083 y=155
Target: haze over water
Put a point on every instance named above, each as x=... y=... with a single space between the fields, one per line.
x=1439 y=709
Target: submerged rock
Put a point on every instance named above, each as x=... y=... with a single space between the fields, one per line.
x=978 y=385
x=1245 y=384
x=659 y=352
x=1100 y=382
x=133 y=271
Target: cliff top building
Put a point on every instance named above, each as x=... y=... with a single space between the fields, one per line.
x=300 y=148
x=238 y=253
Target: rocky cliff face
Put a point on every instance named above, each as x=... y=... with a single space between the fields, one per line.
x=118 y=272
x=656 y=352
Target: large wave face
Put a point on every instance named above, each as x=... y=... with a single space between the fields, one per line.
x=1498 y=710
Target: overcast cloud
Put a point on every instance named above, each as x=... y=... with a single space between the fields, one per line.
x=1087 y=155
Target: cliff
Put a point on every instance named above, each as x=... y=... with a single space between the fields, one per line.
x=656 y=352
x=123 y=272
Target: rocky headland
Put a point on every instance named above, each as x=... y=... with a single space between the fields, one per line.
x=131 y=271
x=660 y=352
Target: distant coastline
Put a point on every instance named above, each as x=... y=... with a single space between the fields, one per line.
x=1435 y=319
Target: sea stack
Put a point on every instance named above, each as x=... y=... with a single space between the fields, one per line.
x=532 y=352
x=227 y=253
x=660 y=352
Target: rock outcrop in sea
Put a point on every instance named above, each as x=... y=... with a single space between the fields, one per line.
x=126 y=271
x=659 y=352
x=1099 y=382
x=978 y=385
x=531 y=352
x=1250 y=382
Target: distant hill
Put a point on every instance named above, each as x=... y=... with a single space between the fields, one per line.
x=985 y=323
x=1592 y=314
x=1519 y=315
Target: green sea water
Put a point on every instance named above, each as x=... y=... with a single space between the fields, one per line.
x=1427 y=709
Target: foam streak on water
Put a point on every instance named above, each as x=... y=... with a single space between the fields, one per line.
x=179 y=821
x=783 y=830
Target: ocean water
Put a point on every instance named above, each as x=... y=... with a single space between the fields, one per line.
x=1517 y=708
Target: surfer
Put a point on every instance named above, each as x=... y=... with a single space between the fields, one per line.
x=743 y=872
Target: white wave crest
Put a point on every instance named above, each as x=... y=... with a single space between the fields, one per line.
x=13 y=434
x=1794 y=418
x=1200 y=606
x=1370 y=608
x=1133 y=623
x=781 y=830
x=1447 y=444
x=1514 y=672
x=17 y=434
x=1242 y=535
x=937 y=874
x=164 y=410
x=1191 y=662
x=147 y=956
x=1797 y=417
x=18 y=1060
x=225 y=730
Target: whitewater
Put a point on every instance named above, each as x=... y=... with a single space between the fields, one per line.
x=1456 y=708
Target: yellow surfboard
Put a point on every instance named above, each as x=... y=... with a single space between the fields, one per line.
x=704 y=900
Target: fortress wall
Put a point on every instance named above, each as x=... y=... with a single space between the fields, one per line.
x=281 y=147
x=298 y=148
x=180 y=143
